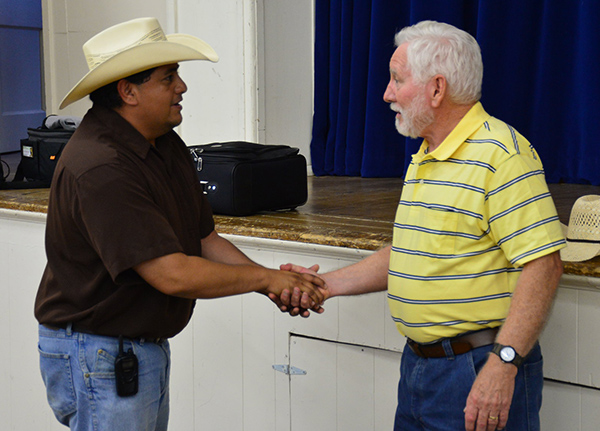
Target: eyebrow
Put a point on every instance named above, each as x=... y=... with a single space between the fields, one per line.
x=172 y=69
x=394 y=72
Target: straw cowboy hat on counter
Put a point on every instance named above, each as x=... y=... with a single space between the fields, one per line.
x=583 y=232
x=131 y=47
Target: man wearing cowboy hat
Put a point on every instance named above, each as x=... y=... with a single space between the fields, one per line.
x=474 y=263
x=130 y=238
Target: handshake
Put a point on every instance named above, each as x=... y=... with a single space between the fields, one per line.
x=307 y=290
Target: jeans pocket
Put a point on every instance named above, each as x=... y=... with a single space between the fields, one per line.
x=476 y=359
x=101 y=355
x=104 y=364
x=534 y=369
x=524 y=412
x=58 y=378
x=534 y=382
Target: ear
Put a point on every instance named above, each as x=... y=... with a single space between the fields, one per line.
x=437 y=90
x=128 y=92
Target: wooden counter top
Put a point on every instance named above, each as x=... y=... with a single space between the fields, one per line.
x=347 y=212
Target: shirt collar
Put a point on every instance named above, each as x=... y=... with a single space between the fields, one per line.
x=122 y=131
x=468 y=125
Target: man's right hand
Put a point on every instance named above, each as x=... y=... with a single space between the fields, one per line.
x=309 y=289
x=295 y=302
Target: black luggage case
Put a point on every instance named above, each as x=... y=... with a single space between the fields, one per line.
x=40 y=152
x=243 y=178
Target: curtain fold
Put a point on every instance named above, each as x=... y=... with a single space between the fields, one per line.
x=541 y=65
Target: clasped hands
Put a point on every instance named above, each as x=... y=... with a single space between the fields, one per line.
x=299 y=302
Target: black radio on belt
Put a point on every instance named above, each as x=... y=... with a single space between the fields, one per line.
x=126 y=372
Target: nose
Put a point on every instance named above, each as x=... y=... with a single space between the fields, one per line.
x=389 y=95
x=180 y=88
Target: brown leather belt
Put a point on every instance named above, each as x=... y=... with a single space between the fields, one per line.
x=459 y=345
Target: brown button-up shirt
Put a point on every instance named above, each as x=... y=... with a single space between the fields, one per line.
x=117 y=201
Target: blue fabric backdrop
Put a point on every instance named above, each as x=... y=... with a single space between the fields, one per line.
x=541 y=75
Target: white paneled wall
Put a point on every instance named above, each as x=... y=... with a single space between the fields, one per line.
x=571 y=340
x=346 y=387
x=23 y=405
x=222 y=375
x=567 y=408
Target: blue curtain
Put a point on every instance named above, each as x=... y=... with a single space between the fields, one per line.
x=541 y=75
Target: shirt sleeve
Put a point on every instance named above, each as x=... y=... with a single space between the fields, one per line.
x=522 y=216
x=124 y=224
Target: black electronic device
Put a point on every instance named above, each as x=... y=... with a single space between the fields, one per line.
x=126 y=372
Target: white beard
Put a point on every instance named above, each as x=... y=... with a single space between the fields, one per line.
x=415 y=118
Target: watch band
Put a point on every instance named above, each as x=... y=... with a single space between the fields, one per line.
x=507 y=354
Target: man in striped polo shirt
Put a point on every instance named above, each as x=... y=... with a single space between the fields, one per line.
x=474 y=263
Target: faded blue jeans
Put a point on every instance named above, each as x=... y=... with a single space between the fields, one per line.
x=78 y=371
x=433 y=392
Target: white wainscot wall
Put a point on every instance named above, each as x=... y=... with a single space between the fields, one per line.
x=345 y=362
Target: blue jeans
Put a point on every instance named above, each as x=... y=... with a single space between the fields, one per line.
x=433 y=392
x=78 y=371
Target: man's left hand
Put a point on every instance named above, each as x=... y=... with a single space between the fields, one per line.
x=489 y=401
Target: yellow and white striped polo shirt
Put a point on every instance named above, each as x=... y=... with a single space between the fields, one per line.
x=471 y=214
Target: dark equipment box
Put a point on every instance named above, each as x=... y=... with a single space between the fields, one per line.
x=40 y=152
x=243 y=178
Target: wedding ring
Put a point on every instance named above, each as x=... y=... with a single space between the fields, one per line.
x=493 y=418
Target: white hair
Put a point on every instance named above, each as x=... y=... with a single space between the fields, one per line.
x=439 y=48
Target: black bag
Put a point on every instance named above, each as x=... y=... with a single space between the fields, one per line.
x=243 y=178
x=40 y=153
x=2 y=175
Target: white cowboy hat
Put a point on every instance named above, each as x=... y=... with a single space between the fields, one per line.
x=131 y=47
x=583 y=232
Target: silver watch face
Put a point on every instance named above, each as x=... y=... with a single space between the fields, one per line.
x=507 y=354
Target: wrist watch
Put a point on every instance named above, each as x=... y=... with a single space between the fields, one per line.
x=507 y=354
